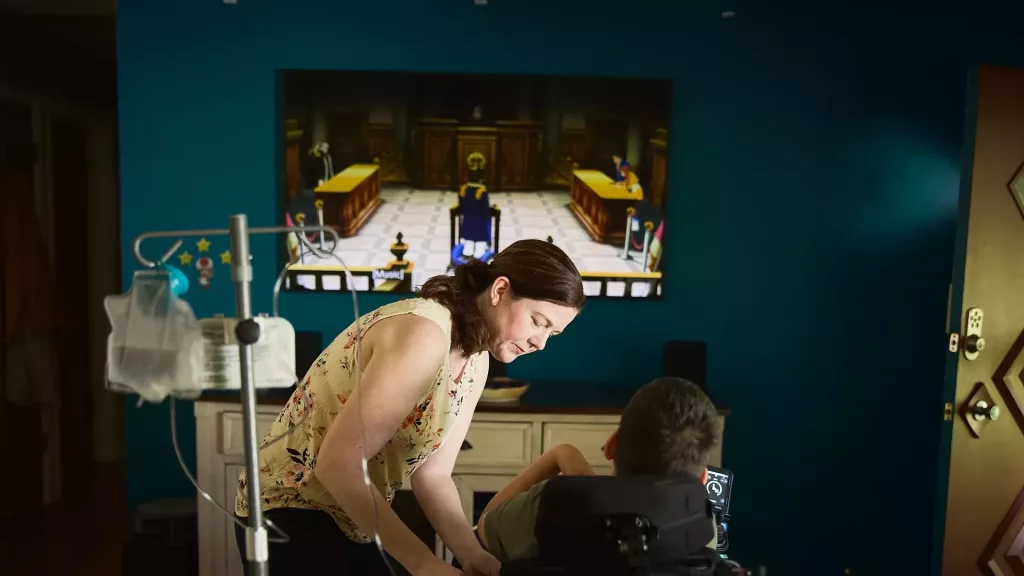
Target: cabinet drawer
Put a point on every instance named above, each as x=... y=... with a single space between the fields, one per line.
x=497 y=444
x=232 y=431
x=588 y=438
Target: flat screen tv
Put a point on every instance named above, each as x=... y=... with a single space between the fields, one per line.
x=417 y=173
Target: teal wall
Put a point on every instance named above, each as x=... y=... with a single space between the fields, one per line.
x=813 y=181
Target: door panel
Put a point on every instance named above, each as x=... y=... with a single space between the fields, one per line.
x=438 y=159
x=20 y=426
x=486 y=145
x=984 y=529
x=71 y=227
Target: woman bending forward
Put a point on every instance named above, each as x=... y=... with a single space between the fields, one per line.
x=406 y=399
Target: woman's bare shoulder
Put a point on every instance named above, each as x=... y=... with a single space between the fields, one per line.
x=408 y=326
x=396 y=333
x=404 y=346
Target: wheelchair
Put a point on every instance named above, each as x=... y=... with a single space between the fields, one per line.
x=458 y=255
x=615 y=526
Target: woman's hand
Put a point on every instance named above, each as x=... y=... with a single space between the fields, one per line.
x=572 y=462
x=480 y=563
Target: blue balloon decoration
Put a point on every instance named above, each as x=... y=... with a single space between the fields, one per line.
x=178 y=280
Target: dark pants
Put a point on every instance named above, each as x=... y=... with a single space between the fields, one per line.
x=315 y=546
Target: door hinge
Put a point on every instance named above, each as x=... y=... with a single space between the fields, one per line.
x=947 y=412
x=954 y=342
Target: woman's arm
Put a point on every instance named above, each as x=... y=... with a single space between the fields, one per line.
x=402 y=356
x=436 y=492
x=562 y=459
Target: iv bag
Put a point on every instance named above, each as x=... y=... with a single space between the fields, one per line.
x=273 y=354
x=154 y=348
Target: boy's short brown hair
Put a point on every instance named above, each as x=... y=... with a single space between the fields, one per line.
x=668 y=428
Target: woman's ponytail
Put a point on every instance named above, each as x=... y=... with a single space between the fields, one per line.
x=458 y=294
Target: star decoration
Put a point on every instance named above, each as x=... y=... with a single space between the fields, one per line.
x=203 y=245
x=225 y=257
x=185 y=258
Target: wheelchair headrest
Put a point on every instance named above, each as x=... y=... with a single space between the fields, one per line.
x=611 y=521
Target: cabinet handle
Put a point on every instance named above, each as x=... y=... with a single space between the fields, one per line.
x=466 y=445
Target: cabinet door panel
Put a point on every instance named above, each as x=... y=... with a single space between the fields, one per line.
x=497 y=444
x=588 y=438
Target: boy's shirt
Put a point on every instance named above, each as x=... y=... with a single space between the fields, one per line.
x=508 y=528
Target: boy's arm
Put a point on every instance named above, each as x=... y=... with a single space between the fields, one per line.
x=506 y=526
x=562 y=459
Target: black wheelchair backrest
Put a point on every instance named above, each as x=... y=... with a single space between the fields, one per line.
x=620 y=525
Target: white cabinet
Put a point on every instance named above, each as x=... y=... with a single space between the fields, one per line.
x=588 y=437
x=498 y=446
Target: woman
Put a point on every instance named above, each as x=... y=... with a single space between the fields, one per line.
x=429 y=354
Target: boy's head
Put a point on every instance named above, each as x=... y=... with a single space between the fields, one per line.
x=668 y=428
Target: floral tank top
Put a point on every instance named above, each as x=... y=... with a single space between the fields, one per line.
x=287 y=478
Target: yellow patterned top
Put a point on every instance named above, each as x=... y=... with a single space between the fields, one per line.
x=287 y=479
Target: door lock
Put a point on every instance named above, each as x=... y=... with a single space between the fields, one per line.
x=979 y=410
x=983 y=410
x=973 y=342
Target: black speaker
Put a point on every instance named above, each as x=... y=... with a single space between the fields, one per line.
x=686 y=360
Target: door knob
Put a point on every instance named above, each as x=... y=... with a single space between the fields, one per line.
x=974 y=344
x=979 y=410
x=982 y=410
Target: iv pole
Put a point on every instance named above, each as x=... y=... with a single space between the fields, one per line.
x=248 y=333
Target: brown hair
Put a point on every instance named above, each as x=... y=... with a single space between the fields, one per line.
x=535 y=269
x=668 y=428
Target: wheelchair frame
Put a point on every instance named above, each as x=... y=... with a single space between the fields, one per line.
x=455 y=225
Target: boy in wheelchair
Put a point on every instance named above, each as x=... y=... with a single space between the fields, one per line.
x=652 y=517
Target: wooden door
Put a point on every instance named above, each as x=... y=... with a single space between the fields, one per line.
x=486 y=145
x=984 y=518
x=437 y=159
x=71 y=226
x=380 y=141
x=21 y=241
x=574 y=146
x=515 y=160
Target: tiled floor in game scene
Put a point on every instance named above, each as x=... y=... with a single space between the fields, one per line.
x=422 y=218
